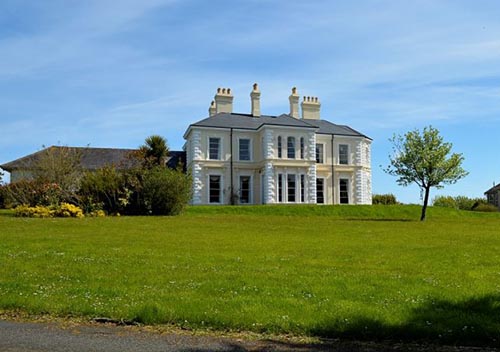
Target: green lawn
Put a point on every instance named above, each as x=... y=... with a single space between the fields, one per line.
x=351 y=271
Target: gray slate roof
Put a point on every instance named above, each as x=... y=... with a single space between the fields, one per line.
x=327 y=127
x=249 y=122
x=92 y=158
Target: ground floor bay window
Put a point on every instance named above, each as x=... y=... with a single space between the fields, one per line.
x=291 y=188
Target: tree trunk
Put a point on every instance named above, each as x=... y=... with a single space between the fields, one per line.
x=426 y=201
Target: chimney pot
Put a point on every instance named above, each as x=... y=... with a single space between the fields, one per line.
x=311 y=108
x=255 y=99
x=294 y=103
x=223 y=101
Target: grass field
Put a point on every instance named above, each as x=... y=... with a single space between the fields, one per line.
x=371 y=272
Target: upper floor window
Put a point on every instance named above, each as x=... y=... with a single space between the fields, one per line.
x=343 y=154
x=280 y=147
x=214 y=148
x=245 y=149
x=319 y=153
x=291 y=148
x=302 y=147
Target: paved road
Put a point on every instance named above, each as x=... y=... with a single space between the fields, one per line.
x=52 y=337
x=45 y=337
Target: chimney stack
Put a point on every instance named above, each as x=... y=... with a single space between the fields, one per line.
x=223 y=100
x=294 y=103
x=212 y=109
x=255 y=97
x=310 y=108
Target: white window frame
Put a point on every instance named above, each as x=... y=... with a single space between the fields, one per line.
x=322 y=153
x=302 y=188
x=220 y=147
x=221 y=191
x=250 y=189
x=250 y=146
x=347 y=145
x=348 y=189
x=302 y=147
x=279 y=147
x=294 y=148
x=296 y=188
x=324 y=191
x=283 y=187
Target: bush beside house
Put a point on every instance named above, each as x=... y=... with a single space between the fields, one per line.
x=141 y=188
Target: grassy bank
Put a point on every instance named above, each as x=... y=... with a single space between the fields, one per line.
x=362 y=271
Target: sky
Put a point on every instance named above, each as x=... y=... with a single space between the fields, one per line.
x=110 y=73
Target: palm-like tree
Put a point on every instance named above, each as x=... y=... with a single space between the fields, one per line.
x=155 y=150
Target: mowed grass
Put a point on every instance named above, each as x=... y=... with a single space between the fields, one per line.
x=329 y=271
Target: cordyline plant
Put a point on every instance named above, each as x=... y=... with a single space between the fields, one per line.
x=423 y=158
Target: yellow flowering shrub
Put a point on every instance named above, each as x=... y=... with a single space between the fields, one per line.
x=65 y=210
x=97 y=213
x=34 y=212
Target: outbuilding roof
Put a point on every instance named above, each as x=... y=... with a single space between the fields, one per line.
x=493 y=189
x=91 y=158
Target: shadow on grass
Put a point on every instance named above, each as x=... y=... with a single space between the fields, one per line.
x=474 y=322
x=382 y=219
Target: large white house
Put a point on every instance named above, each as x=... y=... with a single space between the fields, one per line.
x=238 y=158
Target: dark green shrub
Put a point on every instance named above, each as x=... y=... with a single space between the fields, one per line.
x=3 y=197
x=104 y=189
x=166 y=191
x=486 y=207
x=465 y=203
x=459 y=202
x=385 y=199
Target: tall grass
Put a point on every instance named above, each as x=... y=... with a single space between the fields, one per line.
x=369 y=272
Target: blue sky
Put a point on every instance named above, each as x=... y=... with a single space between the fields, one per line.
x=110 y=73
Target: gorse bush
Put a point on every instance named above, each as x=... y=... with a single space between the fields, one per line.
x=385 y=199
x=65 y=210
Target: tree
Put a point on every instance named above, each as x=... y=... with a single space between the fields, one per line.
x=60 y=165
x=422 y=158
x=155 y=150
x=1 y=177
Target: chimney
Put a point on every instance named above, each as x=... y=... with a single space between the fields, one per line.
x=223 y=100
x=294 y=103
x=255 y=97
x=310 y=108
x=212 y=110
